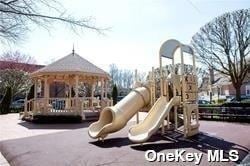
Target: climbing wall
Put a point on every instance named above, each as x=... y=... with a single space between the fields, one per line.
x=190 y=88
x=191 y=113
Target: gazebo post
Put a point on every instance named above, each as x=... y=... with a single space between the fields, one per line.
x=102 y=93
x=70 y=92
x=46 y=93
x=92 y=95
x=77 y=95
x=106 y=89
x=102 y=88
x=35 y=95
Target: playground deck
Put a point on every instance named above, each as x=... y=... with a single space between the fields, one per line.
x=72 y=146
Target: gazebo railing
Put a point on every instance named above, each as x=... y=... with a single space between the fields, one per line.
x=65 y=105
x=29 y=105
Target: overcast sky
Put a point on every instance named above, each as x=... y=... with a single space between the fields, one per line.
x=138 y=28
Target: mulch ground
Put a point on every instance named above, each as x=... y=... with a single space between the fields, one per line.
x=76 y=148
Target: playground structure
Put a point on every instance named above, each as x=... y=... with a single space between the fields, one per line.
x=178 y=93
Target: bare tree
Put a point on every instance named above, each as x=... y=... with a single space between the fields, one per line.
x=142 y=76
x=18 y=57
x=122 y=78
x=127 y=79
x=223 y=45
x=113 y=71
x=200 y=72
x=17 y=61
x=17 y=17
x=119 y=79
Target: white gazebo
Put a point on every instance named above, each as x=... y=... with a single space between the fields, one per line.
x=57 y=88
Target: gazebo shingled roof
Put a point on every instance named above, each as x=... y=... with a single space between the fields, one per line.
x=72 y=63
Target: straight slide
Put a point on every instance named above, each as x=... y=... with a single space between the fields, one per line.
x=116 y=117
x=144 y=130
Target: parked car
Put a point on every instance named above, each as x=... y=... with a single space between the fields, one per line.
x=203 y=102
x=243 y=98
x=119 y=98
x=229 y=98
x=18 y=104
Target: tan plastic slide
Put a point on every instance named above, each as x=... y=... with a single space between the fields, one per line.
x=116 y=117
x=144 y=130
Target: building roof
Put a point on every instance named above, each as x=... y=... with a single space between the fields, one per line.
x=72 y=63
x=19 y=66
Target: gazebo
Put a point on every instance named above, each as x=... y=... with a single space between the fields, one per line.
x=60 y=88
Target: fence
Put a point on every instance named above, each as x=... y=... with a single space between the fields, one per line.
x=226 y=113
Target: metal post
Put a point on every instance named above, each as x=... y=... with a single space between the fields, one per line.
x=168 y=125
x=176 y=117
x=163 y=128
x=137 y=118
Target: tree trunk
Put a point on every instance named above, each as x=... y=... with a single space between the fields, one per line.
x=238 y=92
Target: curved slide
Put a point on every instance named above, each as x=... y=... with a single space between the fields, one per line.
x=116 y=117
x=144 y=130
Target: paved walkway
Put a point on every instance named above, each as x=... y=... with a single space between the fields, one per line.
x=11 y=127
x=24 y=143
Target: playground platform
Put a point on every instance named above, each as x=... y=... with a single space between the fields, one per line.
x=69 y=144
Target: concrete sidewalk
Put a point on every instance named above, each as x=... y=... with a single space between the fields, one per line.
x=11 y=127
